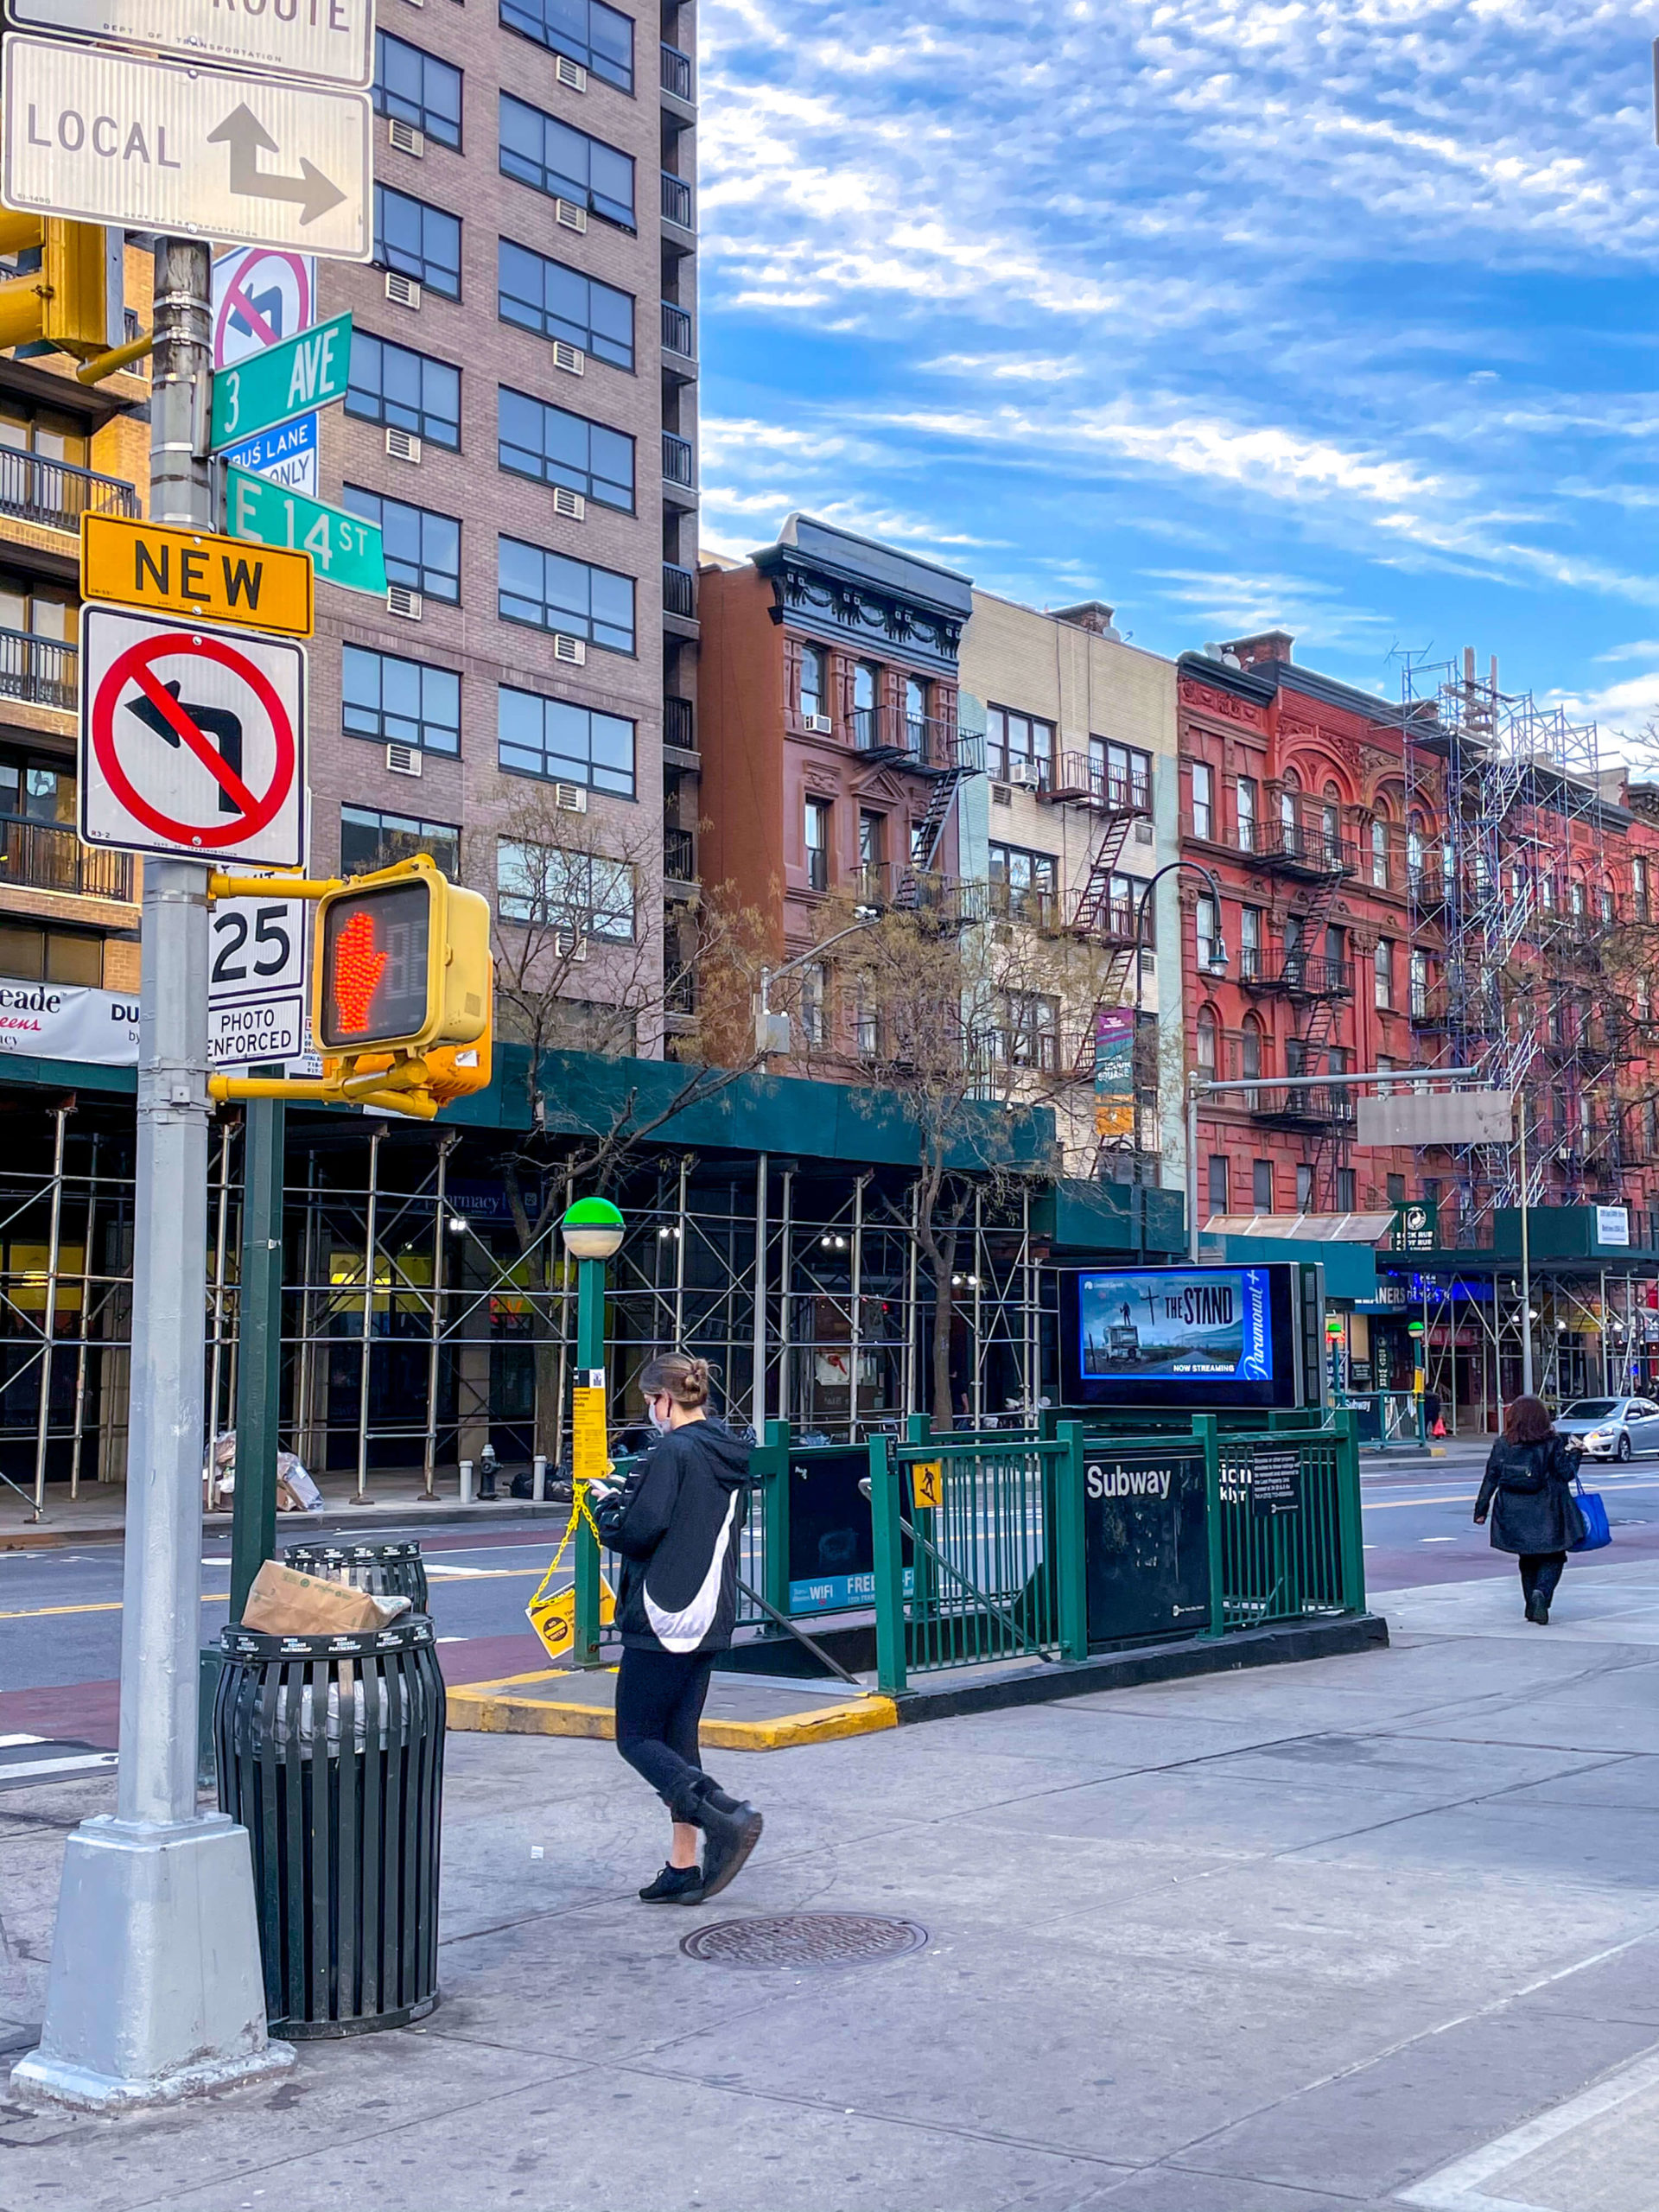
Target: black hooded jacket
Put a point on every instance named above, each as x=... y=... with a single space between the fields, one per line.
x=1528 y=1489
x=676 y=1524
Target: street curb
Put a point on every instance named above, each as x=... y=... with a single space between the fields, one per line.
x=481 y=1708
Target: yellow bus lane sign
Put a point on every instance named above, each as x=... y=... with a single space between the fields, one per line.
x=168 y=570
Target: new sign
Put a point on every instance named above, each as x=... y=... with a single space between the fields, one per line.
x=171 y=570
x=332 y=40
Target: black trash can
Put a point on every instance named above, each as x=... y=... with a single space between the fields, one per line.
x=331 y=1756
x=389 y=1570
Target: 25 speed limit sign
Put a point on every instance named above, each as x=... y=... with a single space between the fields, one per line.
x=256 y=982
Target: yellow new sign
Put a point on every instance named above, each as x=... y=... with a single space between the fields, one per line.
x=167 y=570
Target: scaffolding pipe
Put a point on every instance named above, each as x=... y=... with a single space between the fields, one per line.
x=679 y=1255
x=855 y=1318
x=86 y=1323
x=368 y=1317
x=786 y=1276
x=435 y=1329
x=216 y=1363
x=44 y=1419
x=758 y=1316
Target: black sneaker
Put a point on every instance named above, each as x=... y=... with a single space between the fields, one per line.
x=1538 y=1610
x=674 y=1886
x=727 y=1839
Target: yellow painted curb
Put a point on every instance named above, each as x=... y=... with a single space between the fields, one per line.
x=490 y=1709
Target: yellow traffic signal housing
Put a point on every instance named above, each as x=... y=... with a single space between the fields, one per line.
x=453 y=1070
x=402 y=962
x=72 y=299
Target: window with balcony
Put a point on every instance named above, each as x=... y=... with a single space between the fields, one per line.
x=553 y=446
x=42 y=432
x=548 y=591
x=1415 y=848
x=552 y=157
x=415 y=87
x=558 y=303
x=1119 y=775
x=1304 y=1188
x=1250 y=942
x=1383 y=975
x=1029 y=1035
x=30 y=954
x=1124 y=907
x=817 y=828
x=563 y=743
x=1261 y=1186
x=1247 y=814
x=1639 y=888
x=423 y=547
x=1290 y=833
x=404 y=390
x=43 y=474
x=1019 y=749
x=1379 y=853
x=1204 y=804
x=371 y=838
x=600 y=38
x=550 y=886
x=872 y=855
x=866 y=705
x=814 y=691
x=38 y=655
x=916 y=715
x=1330 y=823
x=400 y=702
x=417 y=240
x=1023 y=884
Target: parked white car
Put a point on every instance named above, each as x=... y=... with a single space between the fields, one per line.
x=1610 y=1428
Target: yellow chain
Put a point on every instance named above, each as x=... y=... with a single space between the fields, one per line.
x=579 y=1510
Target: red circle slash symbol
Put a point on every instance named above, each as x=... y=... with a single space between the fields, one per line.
x=163 y=714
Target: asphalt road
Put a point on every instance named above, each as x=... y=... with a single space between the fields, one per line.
x=60 y=1611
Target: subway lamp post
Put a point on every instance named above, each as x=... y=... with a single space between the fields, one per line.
x=592 y=1232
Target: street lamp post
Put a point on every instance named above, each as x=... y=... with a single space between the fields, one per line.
x=1217 y=960
x=592 y=1230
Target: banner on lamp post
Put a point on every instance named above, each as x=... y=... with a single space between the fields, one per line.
x=1114 y=1071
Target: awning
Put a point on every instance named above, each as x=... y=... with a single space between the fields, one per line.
x=1303 y=1228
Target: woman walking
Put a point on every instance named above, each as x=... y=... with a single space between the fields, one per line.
x=1529 y=1491
x=674 y=1522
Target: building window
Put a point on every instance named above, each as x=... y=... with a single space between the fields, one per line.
x=1414 y=852
x=417 y=241
x=1029 y=1036
x=1397 y=1188
x=417 y=87
x=567 y=164
x=34 y=955
x=1217 y=1182
x=599 y=37
x=1605 y=906
x=812 y=1001
x=1119 y=774
x=552 y=888
x=867 y=1031
x=818 y=843
x=1204 y=808
x=1206 y=1044
x=1020 y=749
x=1346 y=1193
x=1247 y=814
x=1382 y=971
x=1419 y=985
x=423 y=547
x=866 y=705
x=1023 y=884
x=370 y=838
x=1250 y=1049
x=1576 y=897
x=814 y=682
x=1207 y=920
x=39 y=431
x=1331 y=827
x=1304 y=1188
x=564 y=743
x=916 y=715
x=551 y=592
x=400 y=701
x=404 y=390
x=1546 y=891
x=1250 y=942
x=1261 y=1186
x=545 y=296
x=1380 y=853
x=1639 y=887
x=553 y=446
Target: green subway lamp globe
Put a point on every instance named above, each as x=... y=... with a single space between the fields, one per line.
x=592 y=1229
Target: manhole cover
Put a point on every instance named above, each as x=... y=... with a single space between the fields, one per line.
x=806 y=1939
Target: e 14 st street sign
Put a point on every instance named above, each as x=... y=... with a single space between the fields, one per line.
x=332 y=40
x=344 y=549
x=106 y=137
x=311 y=369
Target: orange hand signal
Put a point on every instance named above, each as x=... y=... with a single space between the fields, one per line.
x=358 y=970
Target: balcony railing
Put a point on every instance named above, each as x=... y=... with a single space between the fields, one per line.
x=57 y=494
x=679 y=591
x=1306 y=1106
x=677 y=332
x=677 y=71
x=679 y=460
x=1301 y=848
x=676 y=201
x=679 y=725
x=1077 y=777
x=1301 y=975
x=1028 y=775
x=42 y=856
x=874 y=883
x=39 y=671
x=680 y=856
x=912 y=741
x=1022 y=902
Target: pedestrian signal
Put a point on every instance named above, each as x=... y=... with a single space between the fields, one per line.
x=403 y=960
x=73 y=299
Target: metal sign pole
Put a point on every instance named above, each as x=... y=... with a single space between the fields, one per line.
x=155 y=1988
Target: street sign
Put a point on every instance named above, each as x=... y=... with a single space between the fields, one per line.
x=288 y=455
x=257 y=979
x=192 y=740
x=260 y=297
x=310 y=369
x=335 y=43
x=167 y=570
x=107 y=137
x=345 y=550
x=1438 y=1117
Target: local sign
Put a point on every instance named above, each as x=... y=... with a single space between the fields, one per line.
x=346 y=548
x=257 y=980
x=167 y=569
x=106 y=137
x=309 y=370
x=333 y=39
x=192 y=740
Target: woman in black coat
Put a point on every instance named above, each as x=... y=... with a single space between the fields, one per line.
x=1529 y=1491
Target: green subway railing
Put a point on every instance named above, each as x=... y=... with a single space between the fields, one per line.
x=1285 y=1536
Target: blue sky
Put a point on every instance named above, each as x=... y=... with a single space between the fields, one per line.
x=1341 y=319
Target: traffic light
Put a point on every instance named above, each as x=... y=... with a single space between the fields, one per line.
x=403 y=961
x=74 y=301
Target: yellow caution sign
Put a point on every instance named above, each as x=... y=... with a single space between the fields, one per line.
x=589 y=1460
x=553 y=1619
x=927 y=1482
x=167 y=570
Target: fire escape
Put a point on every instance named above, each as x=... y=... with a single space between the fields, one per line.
x=947 y=757
x=1099 y=917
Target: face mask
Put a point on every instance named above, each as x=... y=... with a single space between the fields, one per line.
x=656 y=1421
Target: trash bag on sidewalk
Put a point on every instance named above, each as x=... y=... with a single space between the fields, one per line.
x=295 y=1491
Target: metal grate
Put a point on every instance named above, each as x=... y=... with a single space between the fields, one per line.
x=805 y=1941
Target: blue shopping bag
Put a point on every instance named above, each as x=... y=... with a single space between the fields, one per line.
x=1596 y=1530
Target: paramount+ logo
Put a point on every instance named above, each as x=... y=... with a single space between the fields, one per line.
x=1119 y=1481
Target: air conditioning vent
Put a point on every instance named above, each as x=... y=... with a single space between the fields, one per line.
x=574 y=650
x=403 y=291
x=821 y=723
x=1149 y=962
x=1143 y=833
x=406 y=137
x=570 y=798
x=404 y=445
x=572 y=944
x=402 y=601
x=571 y=359
x=571 y=75
x=403 y=760
x=573 y=217
x=1001 y=795
x=1024 y=777
x=570 y=504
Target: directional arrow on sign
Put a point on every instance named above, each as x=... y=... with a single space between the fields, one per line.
x=183 y=718
x=247 y=138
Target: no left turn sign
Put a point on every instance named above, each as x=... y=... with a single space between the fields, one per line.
x=192 y=740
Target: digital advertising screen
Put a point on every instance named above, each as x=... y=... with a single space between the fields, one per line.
x=1172 y=1336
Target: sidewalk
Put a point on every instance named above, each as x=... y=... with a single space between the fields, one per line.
x=97 y=1515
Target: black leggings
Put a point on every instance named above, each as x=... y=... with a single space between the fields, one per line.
x=659 y=1697
x=1540 y=1573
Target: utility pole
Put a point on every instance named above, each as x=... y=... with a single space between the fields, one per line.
x=1526 y=1261
x=155 y=1988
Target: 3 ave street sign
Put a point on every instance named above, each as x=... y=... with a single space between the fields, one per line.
x=108 y=137
x=191 y=573
x=311 y=369
x=330 y=39
x=192 y=740
x=344 y=549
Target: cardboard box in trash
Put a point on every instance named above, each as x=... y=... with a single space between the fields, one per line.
x=283 y=1602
